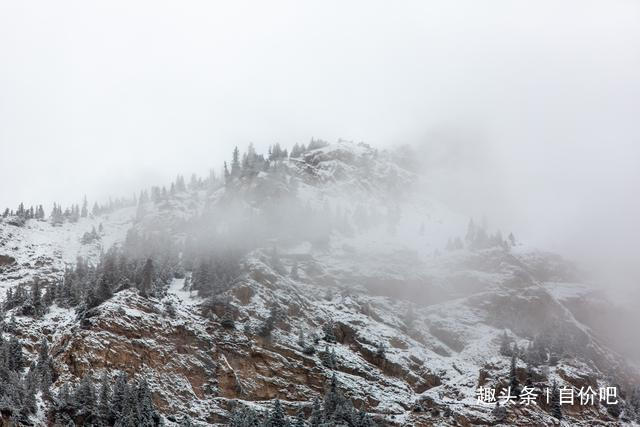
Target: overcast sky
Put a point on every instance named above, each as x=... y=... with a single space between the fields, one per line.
x=104 y=98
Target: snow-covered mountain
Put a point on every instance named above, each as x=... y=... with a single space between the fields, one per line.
x=347 y=283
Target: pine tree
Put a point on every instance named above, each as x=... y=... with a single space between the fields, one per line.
x=186 y=286
x=235 y=162
x=170 y=309
x=505 y=350
x=49 y=294
x=186 y=422
x=119 y=396
x=329 y=336
x=227 y=175
x=300 y=421
x=513 y=375
x=103 y=293
x=104 y=402
x=471 y=232
x=202 y=277
x=328 y=358
x=44 y=367
x=147 y=278
x=130 y=415
x=409 y=317
x=317 y=417
x=85 y=208
x=63 y=398
x=380 y=351
x=36 y=298
x=15 y=358
x=556 y=408
x=90 y=299
x=276 y=416
x=84 y=397
x=332 y=399
x=449 y=246
x=634 y=403
x=146 y=410
x=294 y=271
x=29 y=404
x=245 y=417
x=45 y=384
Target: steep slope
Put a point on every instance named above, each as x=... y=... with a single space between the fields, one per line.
x=347 y=275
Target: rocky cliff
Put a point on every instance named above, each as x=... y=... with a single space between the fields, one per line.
x=363 y=290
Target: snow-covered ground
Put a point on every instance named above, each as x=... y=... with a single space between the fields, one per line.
x=365 y=283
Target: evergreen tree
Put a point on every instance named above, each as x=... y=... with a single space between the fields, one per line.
x=45 y=384
x=329 y=336
x=90 y=299
x=147 y=278
x=471 y=232
x=294 y=271
x=245 y=417
x=85 y=208
x=147 y=413
x=44 y=367
x=15 y=358
x=338 y=410
x=105 y=409
x=186 y=422
x=130 y=415
x=409 y=317
x=300 y=421
x=63 y=398
x=317 y=417
x=202 y=277
x=301 y=341
x=49 y=294
x=380 y=351
x=505 y=349
x=328 y=358
x=235 y=162
x=84 y=397
x=227 y=175
x=513 y=376
x=556 y=408
x=119 y=396
x=29 y=403
x=36 y=299
x=276 y=416
x=170 y=309
x=103 y=293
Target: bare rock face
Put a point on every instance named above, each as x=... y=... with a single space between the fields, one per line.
x=131 y=334
x=196 y=366
x=6 y=260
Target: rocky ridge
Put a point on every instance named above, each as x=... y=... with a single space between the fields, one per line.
x=384 y=280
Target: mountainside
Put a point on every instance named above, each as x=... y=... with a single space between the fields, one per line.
x=330 y=274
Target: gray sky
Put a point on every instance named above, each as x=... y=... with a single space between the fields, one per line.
x=103 y=98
